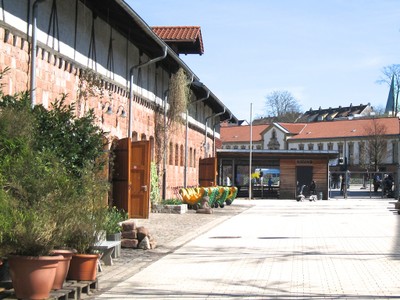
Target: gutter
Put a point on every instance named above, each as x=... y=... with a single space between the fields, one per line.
x=205 y=130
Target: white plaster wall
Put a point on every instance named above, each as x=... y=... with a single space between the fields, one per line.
x=149 y=82
x=280 y=136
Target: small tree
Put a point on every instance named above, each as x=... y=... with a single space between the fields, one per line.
x=282 y=106
x=375 y=144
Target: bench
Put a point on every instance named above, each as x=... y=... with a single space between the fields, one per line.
x=107 y=248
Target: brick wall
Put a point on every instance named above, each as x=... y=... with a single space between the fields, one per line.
x=56 y=75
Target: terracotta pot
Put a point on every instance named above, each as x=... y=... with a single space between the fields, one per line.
x=83 y=267
x=32 y=276
x=62 y=268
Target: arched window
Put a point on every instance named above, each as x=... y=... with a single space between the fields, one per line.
x=273 y=135
x=176 y=155
x=182 y=156
x=190 y=157
x=134 y=136
x=143 y=137
x=171 y=154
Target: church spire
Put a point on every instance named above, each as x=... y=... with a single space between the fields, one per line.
x=390 y=104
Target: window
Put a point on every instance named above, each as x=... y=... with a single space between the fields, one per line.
x=182 y=156
x=171 y=154
x=190 y=157
x=243 y=147
x=301 y=146
x=310 y=146
x=176 y=155
x=330 y=146
x=362 y=153
x=320 y=146
x=340 y=149
x=143 y=137
x=351 y=153
x=194 y=158
x=134 y=136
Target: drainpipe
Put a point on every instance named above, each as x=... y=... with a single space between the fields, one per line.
x=214 y=150
x=152 y=61
x=33 y=55
x=187 y=137
x=205 y=134
x=164 y=176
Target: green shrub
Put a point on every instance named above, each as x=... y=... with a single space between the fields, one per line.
x=53 y=192
x=114 y=217
x=173 y=201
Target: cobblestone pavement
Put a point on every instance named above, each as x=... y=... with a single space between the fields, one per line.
x=280 y=249
x=170 y=232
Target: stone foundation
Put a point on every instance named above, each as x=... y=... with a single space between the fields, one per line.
x=169 y=209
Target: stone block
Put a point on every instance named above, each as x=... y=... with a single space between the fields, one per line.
x=142 y=232
x=129 y=243
x=132 y=234
x=128 y=225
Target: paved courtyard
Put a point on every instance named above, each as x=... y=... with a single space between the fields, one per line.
x=282 y=249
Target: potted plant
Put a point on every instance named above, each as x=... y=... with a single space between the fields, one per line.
x=112 y=225
x=49 y=183
x=31 y=203
x=87 y=223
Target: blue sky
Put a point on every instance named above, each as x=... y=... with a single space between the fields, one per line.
x=325 y=52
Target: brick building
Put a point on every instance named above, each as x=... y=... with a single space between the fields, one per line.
x=105 y=57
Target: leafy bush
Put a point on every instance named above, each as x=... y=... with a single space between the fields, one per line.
x=172 y=202
x=52 y=190
x=155 y=196
x=114 y=217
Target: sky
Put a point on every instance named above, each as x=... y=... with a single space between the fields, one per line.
x=326 y=53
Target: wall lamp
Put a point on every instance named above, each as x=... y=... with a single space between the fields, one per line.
x=121 y=111
x=109 y=108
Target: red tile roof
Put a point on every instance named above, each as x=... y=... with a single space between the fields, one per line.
x=187 y=38
x=231 y=134
x=293 y=128
x=346 y=128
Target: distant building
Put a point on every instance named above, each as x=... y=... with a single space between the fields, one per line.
x=339 y=113
x=347 y=137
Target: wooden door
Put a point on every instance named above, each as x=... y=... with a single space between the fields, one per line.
x=208 y=171
x=140 y=180
x=131 y=177
x=121 y=175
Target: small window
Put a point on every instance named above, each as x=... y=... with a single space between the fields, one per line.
x=176 y=155
x=171 y=154
x=182 y=156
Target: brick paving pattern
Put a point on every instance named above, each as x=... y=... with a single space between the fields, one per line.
x=276 y=249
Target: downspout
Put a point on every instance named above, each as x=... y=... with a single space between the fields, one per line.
x=205 y=134
x=33 y=57
x=164 y=175
x=152 y=61
x=187 y=136
x=214 y=148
